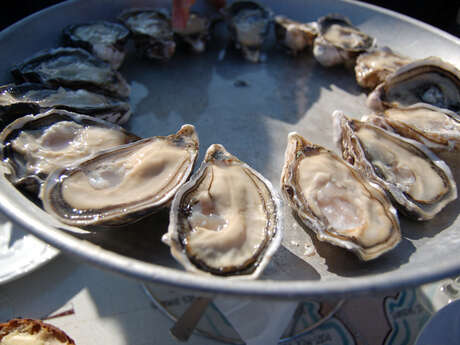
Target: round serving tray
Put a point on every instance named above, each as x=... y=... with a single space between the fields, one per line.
x=250 y=109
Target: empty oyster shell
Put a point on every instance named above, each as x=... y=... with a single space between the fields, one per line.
x=339 y=42
x=123 y=184
x=429 y=80
x=104 y=39
x=152 y=32
x=336 y=202
x=436 y=128
x=74 y=68
x=418 y=181
x=196 y=33
x=32 y=98
x=373 y=67
x=293 y=35
x=249 y=24
x=35 y=145
x=226 y=220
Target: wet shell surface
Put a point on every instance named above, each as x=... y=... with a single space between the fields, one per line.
x=104 y=39
x=418 y=181
x=373 y=67
x=123 y=184
x=226 y=220
x=335 y=201
x=429 y=80
x=294 y=36
x=74 y=68
x=196 y=32
x=339 y=42
x=35 y=145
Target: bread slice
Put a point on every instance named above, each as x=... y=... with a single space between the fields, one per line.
x=32 y=332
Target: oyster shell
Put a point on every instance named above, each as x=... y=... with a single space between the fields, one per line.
x=74 y=68
x=196 y=33
x=106 y=40
x=336 y=202
x=373 y=67
x=226 y=220
x=35 y=145
x=32 y=98
x=123 y=184
x=293 y=35
x=418 y=181
x=249 y=24
x=152 y=32
x=339 y=42
x=429 y=80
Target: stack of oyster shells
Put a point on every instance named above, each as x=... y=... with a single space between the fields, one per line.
x=63 y=145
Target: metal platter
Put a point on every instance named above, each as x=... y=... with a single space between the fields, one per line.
x=250 y=109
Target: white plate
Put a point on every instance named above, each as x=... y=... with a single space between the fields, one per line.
x=20 y=252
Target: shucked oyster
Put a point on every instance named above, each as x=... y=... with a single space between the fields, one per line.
x=249 y=24
x=226 y=219
x=123 y=184
x=429 y=80
x=438 y=129
x=339 y=42
x=152 y=32
x=35 y=145
x=293 y=35
x=32 y=98
x=106 y=40
x=196 y=33
x=418 y=181
x=74 y=68
x=336 y=202
x=373 y=67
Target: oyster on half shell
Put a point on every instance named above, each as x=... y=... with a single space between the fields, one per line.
x=226 y=220
x=429 y=80
x=35 y=145
x=416 y=179
x=196 y=32
x=336 y=201
x=123 y=184
x=294 y=36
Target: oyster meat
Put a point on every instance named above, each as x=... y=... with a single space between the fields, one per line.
x=249 y=24
x=337 y=202
x=436 y=128
x=418 y=181
x=35 y=145
x=339 y=42
x=123 y=184
x=196 y=32
x=152 y=32
x=226 y=220
x=373 y=67
x=429 y=80
x=74 y=68
x=293 y=35
x=104 y=39
x=32 y=98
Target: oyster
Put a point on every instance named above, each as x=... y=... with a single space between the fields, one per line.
x=373 y=67
x=293 y=35
x=123 y=184
x=429 y=80
x=35 y=145
x=32 y=98
x=339 y=42
x=74 y=68
x=336 y=202
x=152 y=32
x=418 y=181
x=226 y=220
x=249 y=24
x=438 y=129
x=196 y=33
x=106 y=40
